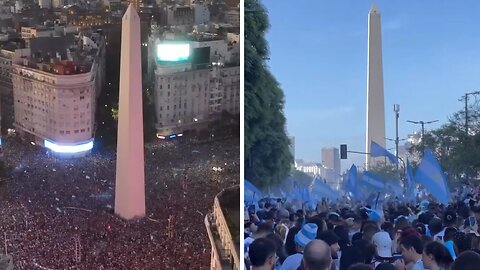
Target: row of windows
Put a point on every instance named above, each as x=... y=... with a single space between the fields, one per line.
x=76 y=131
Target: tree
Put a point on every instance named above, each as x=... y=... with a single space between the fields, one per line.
x=267 y=156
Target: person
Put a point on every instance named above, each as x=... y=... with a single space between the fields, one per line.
x=436 y=256
x=468 y=260
x=332 y=240
x=385 y=266
x=360 y=266
x=449 y=219
x=317 y=256
x=302 y=238
x=412 y=250
x=470 y=225
x=262 y=254
x=383 y=247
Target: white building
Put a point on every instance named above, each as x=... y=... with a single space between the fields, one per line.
x=201 y=14
x=331 y=160
x=45 y=4
x=191 y=93
x=55 y=100
x=232 y=17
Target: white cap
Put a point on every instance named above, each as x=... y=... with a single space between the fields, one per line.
x=383 y=244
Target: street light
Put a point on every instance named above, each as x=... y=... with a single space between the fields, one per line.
x=396 y=109
x=423 y=124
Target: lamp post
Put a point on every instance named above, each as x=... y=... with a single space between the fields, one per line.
x=396 y=109
x=423 y=123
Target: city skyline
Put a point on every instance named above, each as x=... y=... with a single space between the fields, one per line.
x=329 y=91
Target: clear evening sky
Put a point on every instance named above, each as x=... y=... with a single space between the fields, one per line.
x=318 y=51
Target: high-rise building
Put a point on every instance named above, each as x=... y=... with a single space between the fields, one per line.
x=55 y=93
x=331 y=160
x=375 y=99
x=194 y=82
x=130 y=175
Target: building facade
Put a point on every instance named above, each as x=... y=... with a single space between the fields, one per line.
x=55 y=101
x=331 y=160
x=189 y=95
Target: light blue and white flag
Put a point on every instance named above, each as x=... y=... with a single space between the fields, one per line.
x=372 y=181
x=430 y=175
x=376 y=150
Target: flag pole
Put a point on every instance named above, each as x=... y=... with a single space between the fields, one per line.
x=376 y=201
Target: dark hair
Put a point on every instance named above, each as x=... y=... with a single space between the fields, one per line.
x=360 y=266
x=279 y=248
x=449 y=234
x=468 y=260
x=462 y=242
x=259 y=251
x=265 y=227
x=435 y=226
x=412 y=241
x=342 y=233
x=439 y=252
x=385 y=266
x=351 y=255
x=290 y=246
x=367 y=248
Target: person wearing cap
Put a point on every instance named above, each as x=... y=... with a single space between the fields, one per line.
x=302 y=238
x=331 y=239
x=383 y=245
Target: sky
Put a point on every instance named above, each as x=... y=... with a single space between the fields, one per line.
x=318 y=53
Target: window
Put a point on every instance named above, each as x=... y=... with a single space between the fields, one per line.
x=62 y=132
x=168 y=93
x=168 y=108
x=82 y=97
x=161 y=86
x=161 y=108
x=160 y=116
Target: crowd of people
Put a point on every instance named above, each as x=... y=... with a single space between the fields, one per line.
x=354 y=235
x=59 y=213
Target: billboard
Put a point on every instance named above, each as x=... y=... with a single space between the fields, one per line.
x=173 y=52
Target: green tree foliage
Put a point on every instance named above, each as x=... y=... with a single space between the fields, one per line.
x=458 y=152
x=267 y=155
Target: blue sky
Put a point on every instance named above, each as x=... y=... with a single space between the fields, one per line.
x=318 y=51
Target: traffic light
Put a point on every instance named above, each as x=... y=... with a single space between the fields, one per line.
x=343 y=151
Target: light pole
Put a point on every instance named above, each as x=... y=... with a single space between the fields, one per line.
x=396 y=109
x=423 y=123
x=465 y=98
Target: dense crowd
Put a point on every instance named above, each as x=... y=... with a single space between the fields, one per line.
x=58 y=213
x=353 y=235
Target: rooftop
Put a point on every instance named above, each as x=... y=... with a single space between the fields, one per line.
x=230 y=202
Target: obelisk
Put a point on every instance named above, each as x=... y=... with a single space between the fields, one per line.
x=130 y=178
x=375 y=100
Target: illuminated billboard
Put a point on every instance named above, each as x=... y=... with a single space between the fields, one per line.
x=173 y=52
x=68 y=148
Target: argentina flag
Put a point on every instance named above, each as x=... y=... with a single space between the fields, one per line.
x=430 y=175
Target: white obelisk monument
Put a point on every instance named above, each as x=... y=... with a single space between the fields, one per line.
x=375 y=99
x=130 y=178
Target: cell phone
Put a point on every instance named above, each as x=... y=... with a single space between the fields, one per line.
x=472 y=221
x=397 y=257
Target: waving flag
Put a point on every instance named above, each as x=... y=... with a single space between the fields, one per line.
x=252 y=193
x=430 y=175
x=376 y=150
x=410 y=182
x=372 y=181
